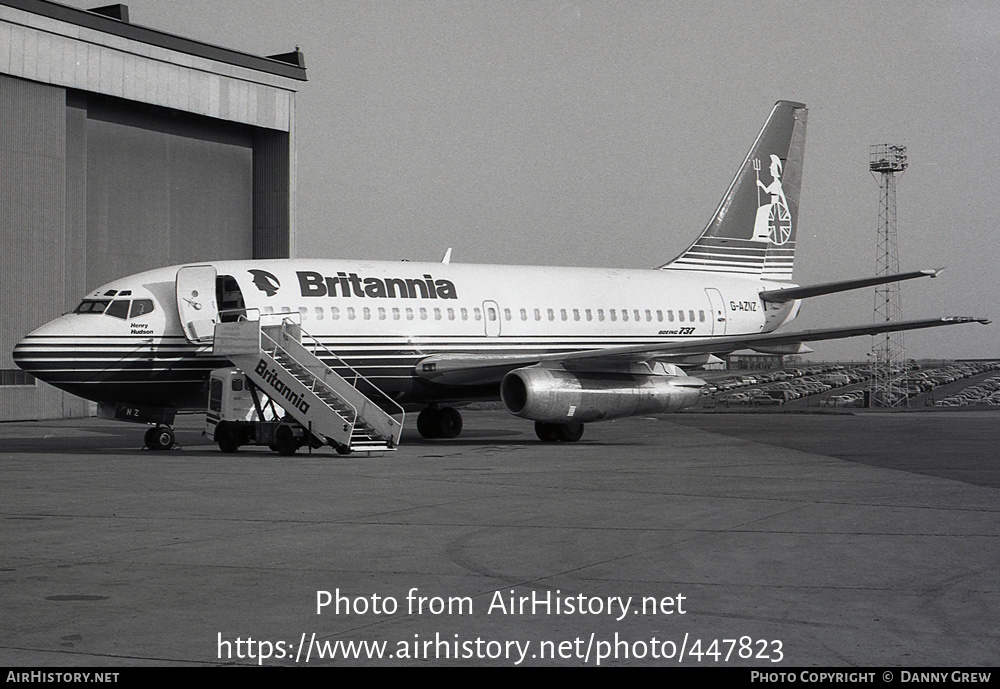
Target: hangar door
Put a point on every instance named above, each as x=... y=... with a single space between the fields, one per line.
x=161 y=187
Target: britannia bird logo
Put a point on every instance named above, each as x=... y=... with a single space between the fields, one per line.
x=265 y=282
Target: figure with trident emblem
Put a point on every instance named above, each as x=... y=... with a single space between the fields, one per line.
x=774 y=221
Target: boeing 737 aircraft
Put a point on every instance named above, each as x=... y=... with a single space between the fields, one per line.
x=337 y=342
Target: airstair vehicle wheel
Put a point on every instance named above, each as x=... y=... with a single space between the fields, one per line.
x=225 y=436
x=285 y=442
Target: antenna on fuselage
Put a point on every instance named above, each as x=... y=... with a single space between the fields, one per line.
x=447 y=256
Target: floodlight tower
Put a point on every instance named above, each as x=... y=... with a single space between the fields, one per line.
x=888 y=359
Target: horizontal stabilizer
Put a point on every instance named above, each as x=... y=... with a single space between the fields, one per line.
x=791 y=293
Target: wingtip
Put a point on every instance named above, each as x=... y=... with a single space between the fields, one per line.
x=966 y=319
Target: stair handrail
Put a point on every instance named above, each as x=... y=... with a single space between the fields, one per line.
x=276 y=346
x=357 y=376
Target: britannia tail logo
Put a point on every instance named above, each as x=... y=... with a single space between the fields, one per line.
x=773 y=222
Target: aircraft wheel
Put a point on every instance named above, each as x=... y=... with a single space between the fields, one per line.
x=427 y=423
x=225 y=436
x=569 y=432
x=285 y=442
x=546 y=432
x=160 y=438
x=449 y=423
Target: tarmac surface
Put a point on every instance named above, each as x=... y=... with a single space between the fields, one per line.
x=774 y=539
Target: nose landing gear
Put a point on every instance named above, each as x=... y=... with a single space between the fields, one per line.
x=160 y=438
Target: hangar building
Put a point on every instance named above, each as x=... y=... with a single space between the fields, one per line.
x=123 y=148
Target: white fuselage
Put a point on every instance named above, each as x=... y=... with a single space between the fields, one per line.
x=383 y=317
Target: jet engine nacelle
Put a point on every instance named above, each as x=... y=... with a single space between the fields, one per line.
x=561 y=396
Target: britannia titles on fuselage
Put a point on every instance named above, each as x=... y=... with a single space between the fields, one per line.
x=313 y=284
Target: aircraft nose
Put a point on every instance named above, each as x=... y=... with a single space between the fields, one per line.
x=34 y=349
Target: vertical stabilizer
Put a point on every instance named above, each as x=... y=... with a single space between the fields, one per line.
x=753 y=230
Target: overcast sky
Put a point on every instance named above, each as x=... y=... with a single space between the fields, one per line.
x=604 y=133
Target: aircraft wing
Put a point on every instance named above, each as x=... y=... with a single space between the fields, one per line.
x=471 y=369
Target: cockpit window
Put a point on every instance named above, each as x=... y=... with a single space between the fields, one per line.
x=141 y=307
x=118 y=309
x=92 y=306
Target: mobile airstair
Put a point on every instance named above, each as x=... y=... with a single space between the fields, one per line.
x=340 y=409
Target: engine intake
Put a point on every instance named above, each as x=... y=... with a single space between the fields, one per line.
x=561 y=396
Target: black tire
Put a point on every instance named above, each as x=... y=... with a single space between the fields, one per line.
x=227 y=437
x=546 y=432
x=569 y=432
x=285 y=442
x=427 y=423
x=449 y=423
x=343 y=450
x=160 y=438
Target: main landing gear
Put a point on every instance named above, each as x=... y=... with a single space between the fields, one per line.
x=439 y=422
x=558 y=432
x=160 y=438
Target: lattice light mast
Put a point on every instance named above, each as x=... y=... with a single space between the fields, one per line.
x=888 y=356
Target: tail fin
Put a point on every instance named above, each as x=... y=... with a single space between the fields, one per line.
x=753 y=230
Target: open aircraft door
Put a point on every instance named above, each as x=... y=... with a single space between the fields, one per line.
x=196 y=303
